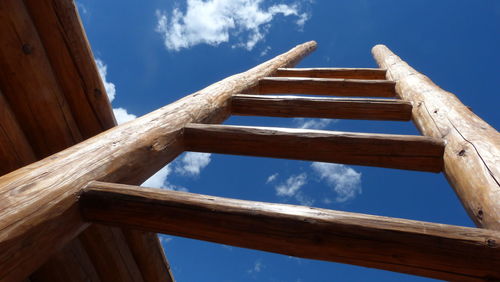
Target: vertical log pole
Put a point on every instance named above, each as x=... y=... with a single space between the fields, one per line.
x=38 y=199
x=472 y=154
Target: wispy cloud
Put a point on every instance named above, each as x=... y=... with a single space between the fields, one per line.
x=217 y=21
x=192 y=163
x=292 y=185
x=257 y=267
x=272 y=178
x=345 y=181
x=313 y=123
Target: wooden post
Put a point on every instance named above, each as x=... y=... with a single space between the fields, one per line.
x=36 y=200
x=422 y=248
x=472 y=154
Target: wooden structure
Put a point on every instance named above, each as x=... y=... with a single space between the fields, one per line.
x=58 y=202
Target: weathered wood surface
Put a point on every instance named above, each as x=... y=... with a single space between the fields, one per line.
x=36 y=200
x=421 y=248
x=382 y=150
x=29 y=85
x=15 y=151
x=349 y=73
x=321 y=107
x=326 y=86
x=70 y=56
x=472 y=155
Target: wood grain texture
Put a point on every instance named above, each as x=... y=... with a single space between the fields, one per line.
x=15 y=151
x=326 y=86
x=421 y=248
x=70 y=56
x=35 y=200
x=349 y=73
x=29 y=85
x=340 y=108
x=71 y=264
x=382 y=150
x=472 y=155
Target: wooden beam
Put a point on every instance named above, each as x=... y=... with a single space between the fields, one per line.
x=326 y=86
x=349 y=73
x=29 y=84
x=428 y=249
x=70 y=56
x=15 y=151
x=472 y=155
x=38 y=199
x=382 y=150
x=344 y=108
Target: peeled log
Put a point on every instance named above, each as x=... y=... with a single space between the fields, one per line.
x=36 y=200
x=472 y=154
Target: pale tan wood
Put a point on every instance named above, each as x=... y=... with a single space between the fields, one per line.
x=472 y=155
x=29 y=85
x=34 y=200
x=382 y=150
x=321 y=107
x=421 y=248
x=15 y=151
x=350 y=73
x=71 y=58
x=71 y=264
x=326 y=86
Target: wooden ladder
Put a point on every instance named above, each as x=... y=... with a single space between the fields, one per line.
x=132 y=152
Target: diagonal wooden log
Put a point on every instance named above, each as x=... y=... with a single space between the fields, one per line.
x=36 y=200
x=428 y=249
x=472 y=155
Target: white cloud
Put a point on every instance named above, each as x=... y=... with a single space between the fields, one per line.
x=292 y=185
x=109 y=86
x=216 y=21
x=272 y=177
x=307 y=123
x=159 y=179
x=345 y=181
x=122 y=115
x=164 y=239
x=192 y=163
x=257 y=267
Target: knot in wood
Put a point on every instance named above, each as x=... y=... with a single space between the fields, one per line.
x=27 y=48
x=491 y=243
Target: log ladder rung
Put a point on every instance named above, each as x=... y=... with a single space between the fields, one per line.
x=326 y=86
x=321 y=107
x=381 y=150
x=422 y=248
x=350 y=73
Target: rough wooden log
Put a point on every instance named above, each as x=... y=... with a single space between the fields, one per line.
x=29 y=85
x=326 y=86
x=343 y=108
x=36 y=200
x=349 y=73
x=421 y=248
x=70 y=56
x=472 y=155
x=15 y=151
x=382 y=150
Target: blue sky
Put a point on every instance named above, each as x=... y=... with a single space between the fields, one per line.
x=154 y=52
